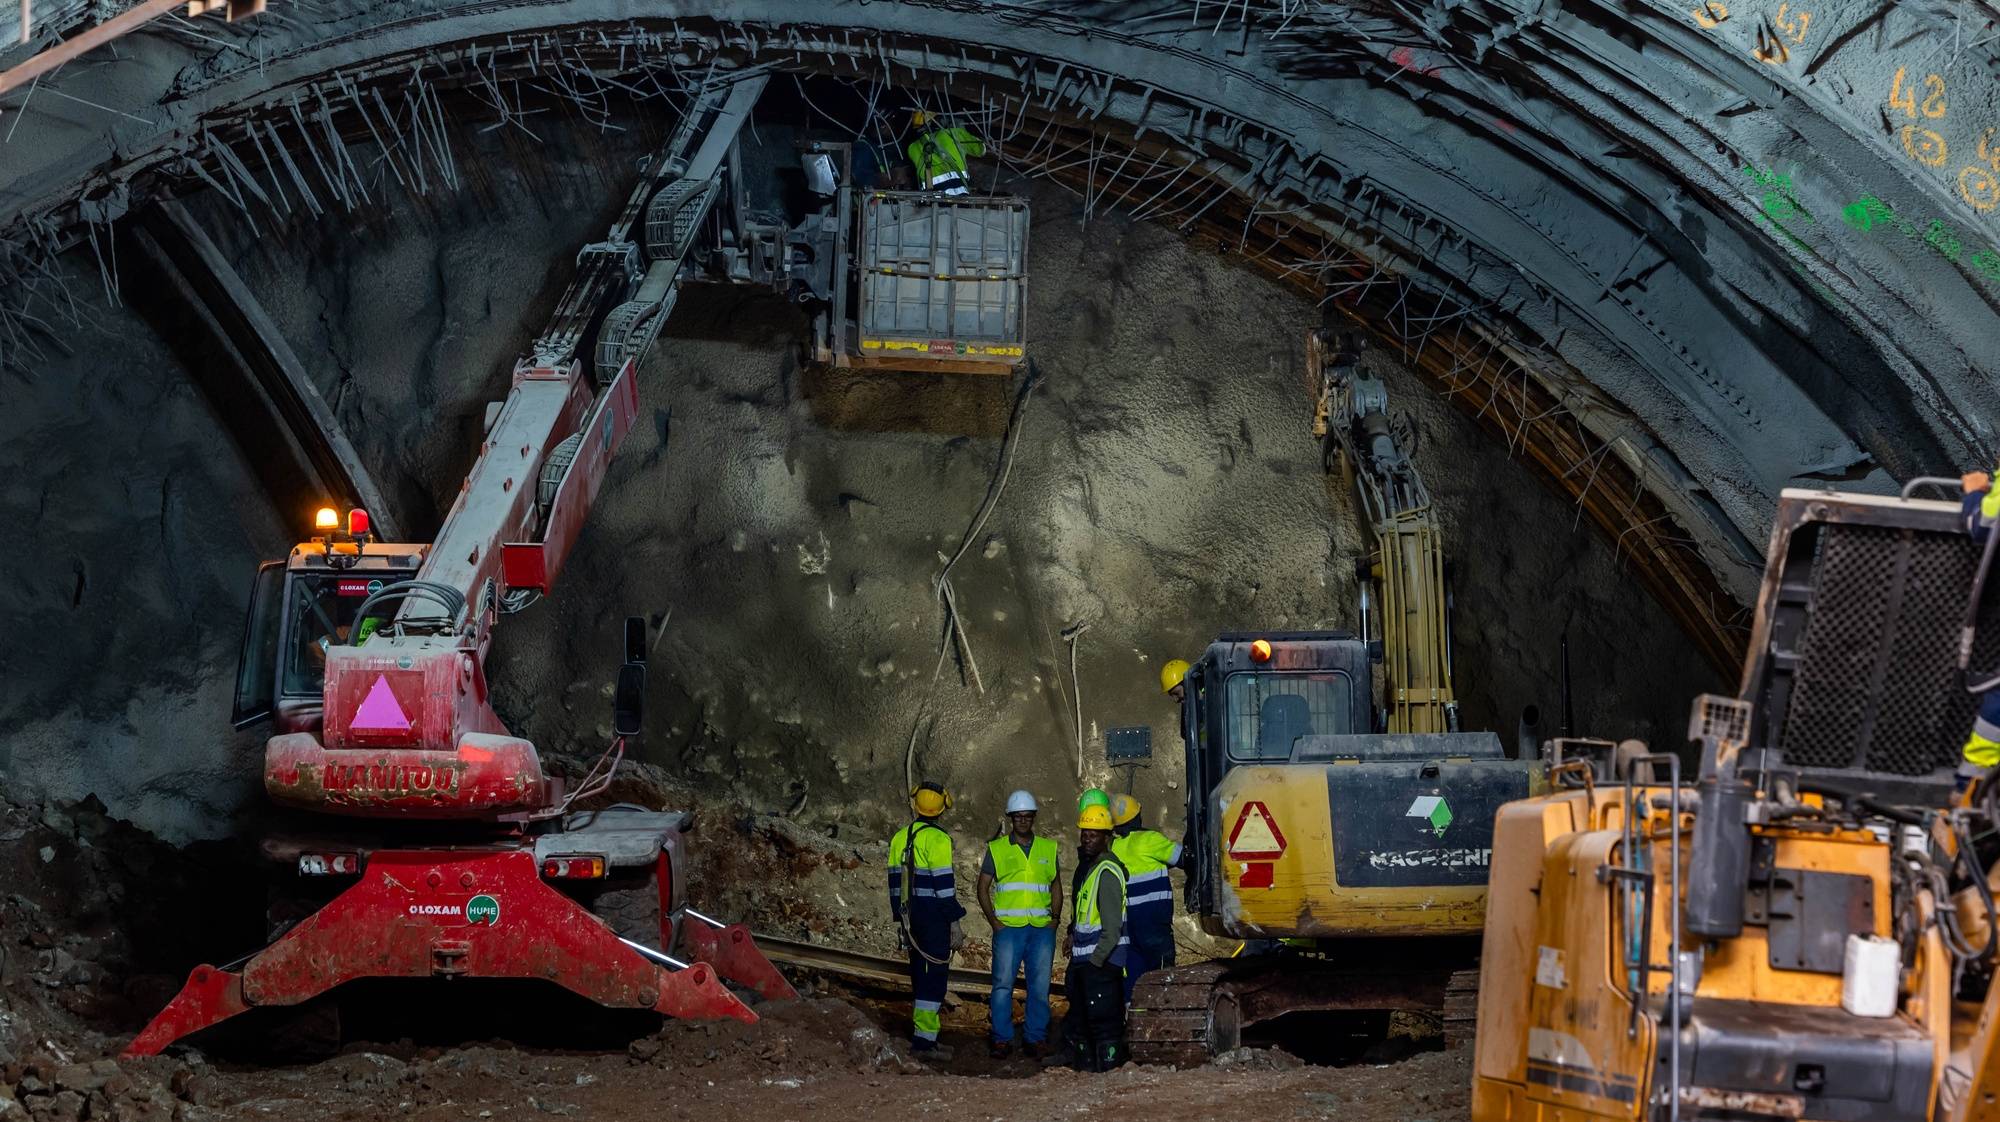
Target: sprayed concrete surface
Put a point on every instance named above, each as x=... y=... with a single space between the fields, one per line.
x=781 y=528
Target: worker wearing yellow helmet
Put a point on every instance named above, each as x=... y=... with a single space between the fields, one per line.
x=1149 y=897
x=923 y=901
x=940 y=153
x=1173 y=683
x=1099 y=946
x=1979 y=512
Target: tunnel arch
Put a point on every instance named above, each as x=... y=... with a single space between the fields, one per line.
x=1689 y=257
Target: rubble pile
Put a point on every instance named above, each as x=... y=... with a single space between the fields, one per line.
x=793 y=1039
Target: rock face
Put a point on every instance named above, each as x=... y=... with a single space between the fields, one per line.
x=781 y=528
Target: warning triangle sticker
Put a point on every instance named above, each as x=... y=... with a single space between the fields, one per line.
x=379 y=710
x=1256 y=834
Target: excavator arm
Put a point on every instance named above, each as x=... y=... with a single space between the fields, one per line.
x=1405 y=571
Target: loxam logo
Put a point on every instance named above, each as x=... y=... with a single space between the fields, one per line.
x=479 y=910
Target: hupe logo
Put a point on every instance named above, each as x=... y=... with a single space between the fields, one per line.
x=483 y=909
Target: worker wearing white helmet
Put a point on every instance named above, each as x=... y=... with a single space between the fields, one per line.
x=1017 y=892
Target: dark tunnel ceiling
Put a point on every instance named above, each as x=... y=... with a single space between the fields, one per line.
x=1679 y=257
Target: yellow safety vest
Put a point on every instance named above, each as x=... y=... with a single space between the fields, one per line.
x=931 y=889
x=1089 y=923
x=1146 y=855
x=942 y=152
x=1022 y=895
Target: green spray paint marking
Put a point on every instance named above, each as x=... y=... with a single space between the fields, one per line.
x=1869 y=213
x=1780 y=204
x=1780 y=209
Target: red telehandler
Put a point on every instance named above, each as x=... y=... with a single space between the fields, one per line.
x=442 y=848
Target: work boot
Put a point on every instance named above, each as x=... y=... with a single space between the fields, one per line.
x=1034 y=1049
x=1000 y=1049
x=936 y=1053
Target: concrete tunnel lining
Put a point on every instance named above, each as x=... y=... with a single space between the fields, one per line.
x=1712 y=433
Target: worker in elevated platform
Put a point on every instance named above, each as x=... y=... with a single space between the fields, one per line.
x=1149 y=900
x=923 y=900
x=1979 y=511
x=940 y=153
x=1017 y=880
x=1099 y=946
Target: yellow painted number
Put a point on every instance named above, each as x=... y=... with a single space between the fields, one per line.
x=1770 y=48
x=1925 y=146
x=1903 y=95
x=1980 y=186
x=1793 y=24
x=1711 y=14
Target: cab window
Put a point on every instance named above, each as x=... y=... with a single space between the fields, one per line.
x=323 y=607
x=1263 y=713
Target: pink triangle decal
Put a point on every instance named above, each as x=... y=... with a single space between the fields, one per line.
x=379 y=710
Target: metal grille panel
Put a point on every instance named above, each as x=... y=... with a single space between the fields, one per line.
x=1877 y=684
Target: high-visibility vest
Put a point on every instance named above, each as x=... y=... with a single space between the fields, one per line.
x=942 y=152
x=1022 y=882
x=1089 y=923
x=930 y=891
x=1146 y=855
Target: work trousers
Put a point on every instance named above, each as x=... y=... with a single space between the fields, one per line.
x=1150 y=950
x=1016 y=949
x=927 y=982
x=1097 y=1013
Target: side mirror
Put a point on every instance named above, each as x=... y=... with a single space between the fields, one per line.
x=628 y=700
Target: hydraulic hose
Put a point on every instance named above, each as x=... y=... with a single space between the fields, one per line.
x=448 y=597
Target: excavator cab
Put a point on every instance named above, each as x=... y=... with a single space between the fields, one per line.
x=302 y=607
x=1241 y=710
x=1307 y=822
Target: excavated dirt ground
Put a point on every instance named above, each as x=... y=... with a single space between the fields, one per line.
x=99 y=917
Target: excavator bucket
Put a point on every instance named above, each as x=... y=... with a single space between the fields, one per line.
x=416 y=914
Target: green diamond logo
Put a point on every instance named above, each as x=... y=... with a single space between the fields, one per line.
x=1433 y=810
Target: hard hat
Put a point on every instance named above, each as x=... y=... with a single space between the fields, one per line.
x=1092 y=796
x=1093 y=817
x=1172 y=673
x=930 y=800
x=1021 y=802
x=1124 y=809
x=919 y=118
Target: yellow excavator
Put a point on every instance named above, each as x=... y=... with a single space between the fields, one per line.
x=1805 y=930
x=1345 y=840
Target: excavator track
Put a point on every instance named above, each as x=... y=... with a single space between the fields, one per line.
x=1461 y=1008
x=1183 y=1015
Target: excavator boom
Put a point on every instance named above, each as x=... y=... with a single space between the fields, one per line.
x=373 y=658
x=1407 y=565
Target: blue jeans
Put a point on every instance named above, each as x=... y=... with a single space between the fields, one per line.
x=1013 y=948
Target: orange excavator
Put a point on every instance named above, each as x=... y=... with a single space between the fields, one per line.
x=440 y=848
